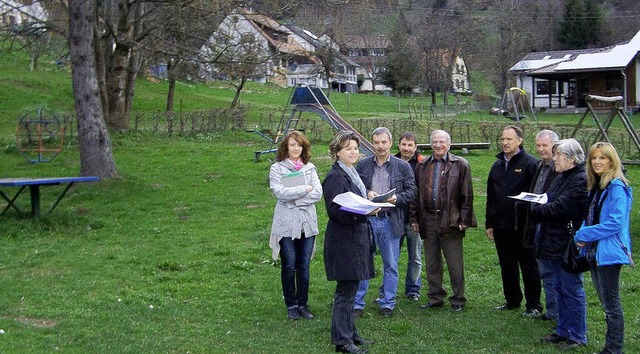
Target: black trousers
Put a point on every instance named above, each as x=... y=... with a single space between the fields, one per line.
x=512 y=255
x=343 y=326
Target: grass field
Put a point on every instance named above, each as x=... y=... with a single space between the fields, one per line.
x=173 y=257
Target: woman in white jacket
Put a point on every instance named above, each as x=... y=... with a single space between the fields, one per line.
x=294 y=181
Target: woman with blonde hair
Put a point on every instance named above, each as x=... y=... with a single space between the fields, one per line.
x=294 y=181
x=605 y=234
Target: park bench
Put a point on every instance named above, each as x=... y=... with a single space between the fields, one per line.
x=465 y=147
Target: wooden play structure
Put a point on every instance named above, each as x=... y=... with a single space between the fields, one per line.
x=615 y=107
x=515 y=105
x=307 y=98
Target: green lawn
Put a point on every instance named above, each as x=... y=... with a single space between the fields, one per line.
x=173 y=257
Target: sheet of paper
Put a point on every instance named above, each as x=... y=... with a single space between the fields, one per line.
x=531 y=197
x=356 y=204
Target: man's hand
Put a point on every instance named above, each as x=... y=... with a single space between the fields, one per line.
x=490 y=234
x=371 y=195
x=415 y=227
x=462 y=227
x=393 y=199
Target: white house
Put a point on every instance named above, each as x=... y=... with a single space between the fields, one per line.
x=288 y=53
x=564 y=78
x=16 y=14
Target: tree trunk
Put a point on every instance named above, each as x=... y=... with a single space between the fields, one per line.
x=134 y=62
x=96 y=155
x=172 y=85
x=117 y=77
x=236 y=98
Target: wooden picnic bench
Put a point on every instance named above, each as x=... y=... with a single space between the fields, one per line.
x=459 y=146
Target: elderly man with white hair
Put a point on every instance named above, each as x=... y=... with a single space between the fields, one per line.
x=441 y=213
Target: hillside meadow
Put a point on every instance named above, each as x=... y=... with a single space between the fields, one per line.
x=173 y=257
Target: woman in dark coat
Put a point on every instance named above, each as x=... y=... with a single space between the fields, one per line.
x=348 y=245
x=567 y=203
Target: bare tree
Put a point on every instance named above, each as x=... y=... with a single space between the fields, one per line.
x=96 y=156
x=235 y=57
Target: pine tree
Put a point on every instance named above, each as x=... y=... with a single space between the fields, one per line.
x=581 y=25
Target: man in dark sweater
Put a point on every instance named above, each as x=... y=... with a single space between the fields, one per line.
x=510 y=175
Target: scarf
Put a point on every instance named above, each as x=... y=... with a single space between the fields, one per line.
x=355 y=178
x=297 y=165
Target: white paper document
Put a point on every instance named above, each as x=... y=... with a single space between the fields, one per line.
x=531 y=197
x=356 y=204
x=294 y=179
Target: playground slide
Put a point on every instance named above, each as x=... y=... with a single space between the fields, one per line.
x=338 y=123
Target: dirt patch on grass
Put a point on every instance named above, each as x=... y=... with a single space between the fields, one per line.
x=37 y=322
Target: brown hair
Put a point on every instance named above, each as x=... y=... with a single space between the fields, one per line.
x=341 y=140
x=615 y=169
x=283 y=147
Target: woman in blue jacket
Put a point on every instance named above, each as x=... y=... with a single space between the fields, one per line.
x=605 y=234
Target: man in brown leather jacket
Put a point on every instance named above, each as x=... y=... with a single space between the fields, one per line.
x=441 y=213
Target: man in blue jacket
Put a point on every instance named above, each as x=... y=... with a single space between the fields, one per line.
x=381 y=173
x=510 y=175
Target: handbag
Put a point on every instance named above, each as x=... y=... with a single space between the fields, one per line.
x=572 y=261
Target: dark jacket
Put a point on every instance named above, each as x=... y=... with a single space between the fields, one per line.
x=567 y=202
x=501 y=210
x=529 y=229
x=402 y=179
x=413 y=162
x=348 y=245
x=456 y=195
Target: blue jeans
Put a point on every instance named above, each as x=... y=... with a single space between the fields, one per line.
x=546 y=269
x=295 y=256
x=389 y=246
x=606 y=280
x=571 y=304
x=412 y=282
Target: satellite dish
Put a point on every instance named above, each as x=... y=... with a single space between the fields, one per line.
x=293 y=66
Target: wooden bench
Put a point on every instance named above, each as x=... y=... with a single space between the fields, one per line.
x=459 y=146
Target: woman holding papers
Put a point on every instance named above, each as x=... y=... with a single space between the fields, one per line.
x=566 y=205
x=605 y=234
x=348 y=245
x=294 y=181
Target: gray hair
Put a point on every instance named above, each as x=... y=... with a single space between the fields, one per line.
x=382 y=130
x=439 y=131
x=571 y=149
x=546 y=133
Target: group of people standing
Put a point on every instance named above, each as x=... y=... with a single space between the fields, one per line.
x=433 y=207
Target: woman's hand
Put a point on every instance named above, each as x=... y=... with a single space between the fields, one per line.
x=309 y=188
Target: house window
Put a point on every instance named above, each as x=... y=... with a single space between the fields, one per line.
x=546 y=88
x=292 y=82
x=613 y=85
